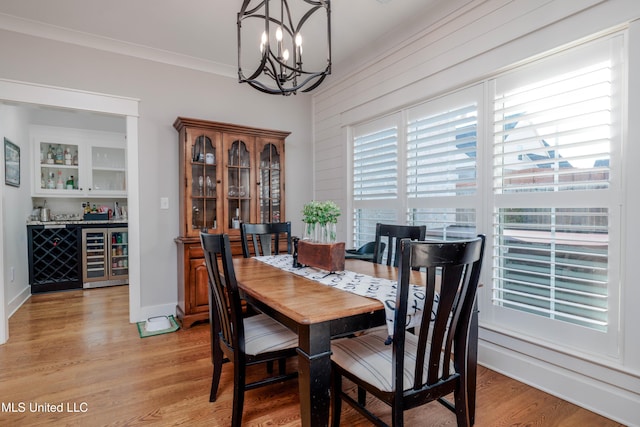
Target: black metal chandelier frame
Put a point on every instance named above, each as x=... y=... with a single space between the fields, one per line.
x=287 y=79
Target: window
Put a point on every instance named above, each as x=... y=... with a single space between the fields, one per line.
x=555 y=209
x=375 y=177
x=532 y=158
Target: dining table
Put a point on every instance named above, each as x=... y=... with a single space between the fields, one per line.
x=318 y=313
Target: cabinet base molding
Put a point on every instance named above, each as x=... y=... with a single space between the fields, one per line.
x=187 y=320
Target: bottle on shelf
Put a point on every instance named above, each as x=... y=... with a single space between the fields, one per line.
x=51 y=183
x=74 y=160
x=59 y=155
x=67 y=156
x=50 y=155
x=59 y=183
x=70 y=183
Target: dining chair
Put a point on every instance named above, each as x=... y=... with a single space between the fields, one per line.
x=245 y=341
x=416 y=369
x=265 y=238
x=392 y=234
x=364 y=252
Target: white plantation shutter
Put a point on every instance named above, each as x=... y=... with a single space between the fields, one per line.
x=375 y=177
x=554 y=263
x=554 y=135
x=446 y=223
x=441 y=153
x=442 y=162
x=375 y=165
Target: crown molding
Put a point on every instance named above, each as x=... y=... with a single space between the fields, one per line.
x=65 y=35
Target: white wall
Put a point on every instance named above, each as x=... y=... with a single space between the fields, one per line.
x=165 y=92
x=459 y=46
x=16 y=206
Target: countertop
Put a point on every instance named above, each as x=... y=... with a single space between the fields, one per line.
x=78 y=222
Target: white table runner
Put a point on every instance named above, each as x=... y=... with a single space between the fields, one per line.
x=383 y=290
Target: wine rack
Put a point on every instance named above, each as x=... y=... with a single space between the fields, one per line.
x=55 y=261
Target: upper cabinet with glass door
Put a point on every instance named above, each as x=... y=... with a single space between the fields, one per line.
x=239 y=179
x=71 y=162
x=108 y=170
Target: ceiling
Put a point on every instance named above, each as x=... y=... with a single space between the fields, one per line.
x=201 y=34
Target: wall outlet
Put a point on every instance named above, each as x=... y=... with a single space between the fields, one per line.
x=12 y=271
x=164 y=203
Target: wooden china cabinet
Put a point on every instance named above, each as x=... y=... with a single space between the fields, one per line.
x=228 y=174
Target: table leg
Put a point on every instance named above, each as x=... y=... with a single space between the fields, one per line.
x=314 y=374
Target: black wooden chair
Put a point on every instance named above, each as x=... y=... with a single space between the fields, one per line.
x=391 y=234
x=417 y=369
x=243 y=340
x=265 y=238
x=364 y=252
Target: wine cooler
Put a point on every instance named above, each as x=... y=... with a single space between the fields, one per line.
x=105 y=257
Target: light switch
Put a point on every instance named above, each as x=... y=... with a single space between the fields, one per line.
x=164 y=203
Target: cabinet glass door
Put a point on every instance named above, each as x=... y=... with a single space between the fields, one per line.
x=204 y=184
x=95 y=254
x=270 y=185
x=108 y=170
x=239 y=184
x=119 y=257
x=58 y=167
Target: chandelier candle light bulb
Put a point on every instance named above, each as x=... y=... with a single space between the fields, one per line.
x=299 y=49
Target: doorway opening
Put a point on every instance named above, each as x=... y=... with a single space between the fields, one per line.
x=120 y=110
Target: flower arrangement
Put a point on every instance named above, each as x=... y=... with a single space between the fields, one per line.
x=320 y=219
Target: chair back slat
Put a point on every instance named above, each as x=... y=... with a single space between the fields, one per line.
x=453 y=269
x=265 y=238
x=391 y=235
x=224 y=296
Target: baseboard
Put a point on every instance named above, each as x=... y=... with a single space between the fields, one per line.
x=602 y=397
x=155 y=310
x=19 y=299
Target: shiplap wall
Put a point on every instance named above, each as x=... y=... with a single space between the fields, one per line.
x=460 y=44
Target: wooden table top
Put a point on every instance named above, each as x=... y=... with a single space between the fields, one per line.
x=304 y=300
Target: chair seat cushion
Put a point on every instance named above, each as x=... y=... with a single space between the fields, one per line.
x=263 y=334
x=368 y=358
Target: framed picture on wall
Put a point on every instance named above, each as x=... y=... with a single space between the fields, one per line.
x=11 y=163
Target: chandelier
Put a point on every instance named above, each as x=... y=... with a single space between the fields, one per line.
x=276 y=41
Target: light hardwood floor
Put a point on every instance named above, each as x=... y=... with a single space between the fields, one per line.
x=77 y=350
